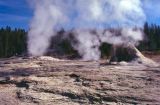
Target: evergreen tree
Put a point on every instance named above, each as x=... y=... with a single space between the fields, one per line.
x=12 y=42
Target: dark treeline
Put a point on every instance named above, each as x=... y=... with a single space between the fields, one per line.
x=13 y=42
x=152 y=38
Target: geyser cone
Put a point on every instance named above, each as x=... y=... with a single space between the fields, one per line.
x=129 y=53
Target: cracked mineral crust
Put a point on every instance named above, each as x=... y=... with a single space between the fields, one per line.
x=49 y=81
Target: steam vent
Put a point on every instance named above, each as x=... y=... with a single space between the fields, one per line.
x=129 y=53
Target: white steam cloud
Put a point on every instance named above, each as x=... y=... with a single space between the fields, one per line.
x=46 y=17
x=83 y=15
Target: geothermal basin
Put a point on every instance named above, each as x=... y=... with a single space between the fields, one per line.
x=50 y=81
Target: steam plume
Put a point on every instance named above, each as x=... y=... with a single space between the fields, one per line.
x=84 y=15
x=46 y=17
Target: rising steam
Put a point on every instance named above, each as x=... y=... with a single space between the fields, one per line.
x=83 y=15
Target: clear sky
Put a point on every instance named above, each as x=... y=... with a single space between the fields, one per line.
x=17 y=13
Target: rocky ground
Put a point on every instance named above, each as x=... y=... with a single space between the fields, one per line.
x=49 y=81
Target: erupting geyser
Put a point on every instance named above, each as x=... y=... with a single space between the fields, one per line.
x=126 y=16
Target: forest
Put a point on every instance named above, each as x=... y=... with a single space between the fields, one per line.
x=13 y=42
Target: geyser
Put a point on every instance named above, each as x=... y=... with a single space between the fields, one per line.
x=83 y=15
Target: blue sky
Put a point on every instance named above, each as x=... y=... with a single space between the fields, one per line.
x=17 y=13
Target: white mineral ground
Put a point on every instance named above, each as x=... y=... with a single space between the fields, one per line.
x=50 y=81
